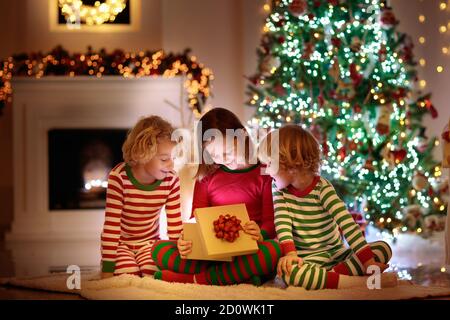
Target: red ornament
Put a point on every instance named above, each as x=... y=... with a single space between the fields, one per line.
x=309 y=49
x=382 y=53
x=399 y=94
x=336 y=110
x=446 y=135
x=279 y=90
x=369 y=164
x=325 y=148
x=317 y=3
x=357 y=108
x=281 y=40
x=430 y=191
x=407 y=50
x=297 y=7
x=280 y=22
x=255 y=80
x=431 y=108
x=321 y=100
x=352 y=145
x=333 y=2
x=388 y=18
x=355 y=75
x=342 y=153
x=336 y=42
x=332 y=94
x=399 y=155
x=227 y=227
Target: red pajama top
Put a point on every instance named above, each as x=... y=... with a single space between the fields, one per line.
x=250 y=186
x=132 y=212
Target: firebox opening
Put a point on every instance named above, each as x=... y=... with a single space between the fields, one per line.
x=79 y=163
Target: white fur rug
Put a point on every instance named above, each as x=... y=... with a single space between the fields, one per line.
x=127 y=287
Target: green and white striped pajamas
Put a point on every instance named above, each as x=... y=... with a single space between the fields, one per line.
x=308 y=222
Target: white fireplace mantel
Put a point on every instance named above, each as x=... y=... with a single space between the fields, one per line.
x=40 y=105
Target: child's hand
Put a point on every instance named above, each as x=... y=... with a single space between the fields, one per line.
x=252 y=228
x=184 y=246
x=285 y=263
x=372 y=262
x=106 y=275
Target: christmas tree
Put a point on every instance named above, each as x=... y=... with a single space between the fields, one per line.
x=344 y=71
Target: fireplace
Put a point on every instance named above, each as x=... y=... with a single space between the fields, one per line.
x=68 y=133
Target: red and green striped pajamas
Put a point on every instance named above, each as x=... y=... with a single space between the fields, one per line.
x=241 y=269
x=132 y=221
x=308 y=223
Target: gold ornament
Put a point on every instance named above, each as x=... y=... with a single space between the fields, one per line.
x=419 y=181
x=334 y=71
x=384 y=119
x=97 y=14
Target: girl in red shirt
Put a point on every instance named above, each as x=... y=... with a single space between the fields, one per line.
x=229 y=173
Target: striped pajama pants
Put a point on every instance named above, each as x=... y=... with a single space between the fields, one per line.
x=135 y=259
x=241 y=269
x=315 y=271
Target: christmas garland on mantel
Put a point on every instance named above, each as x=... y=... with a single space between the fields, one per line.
x=59 y=62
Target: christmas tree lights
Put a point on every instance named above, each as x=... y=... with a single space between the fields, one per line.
x=342 y=70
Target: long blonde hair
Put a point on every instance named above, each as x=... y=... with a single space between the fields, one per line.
x=142 y=140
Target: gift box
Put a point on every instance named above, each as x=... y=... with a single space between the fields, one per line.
x=191 y=232
x=215 y=247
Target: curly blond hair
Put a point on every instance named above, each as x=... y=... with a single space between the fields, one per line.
x=142 y=140
x=298 y=149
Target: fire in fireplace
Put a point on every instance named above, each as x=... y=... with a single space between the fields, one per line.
x=79 y=164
